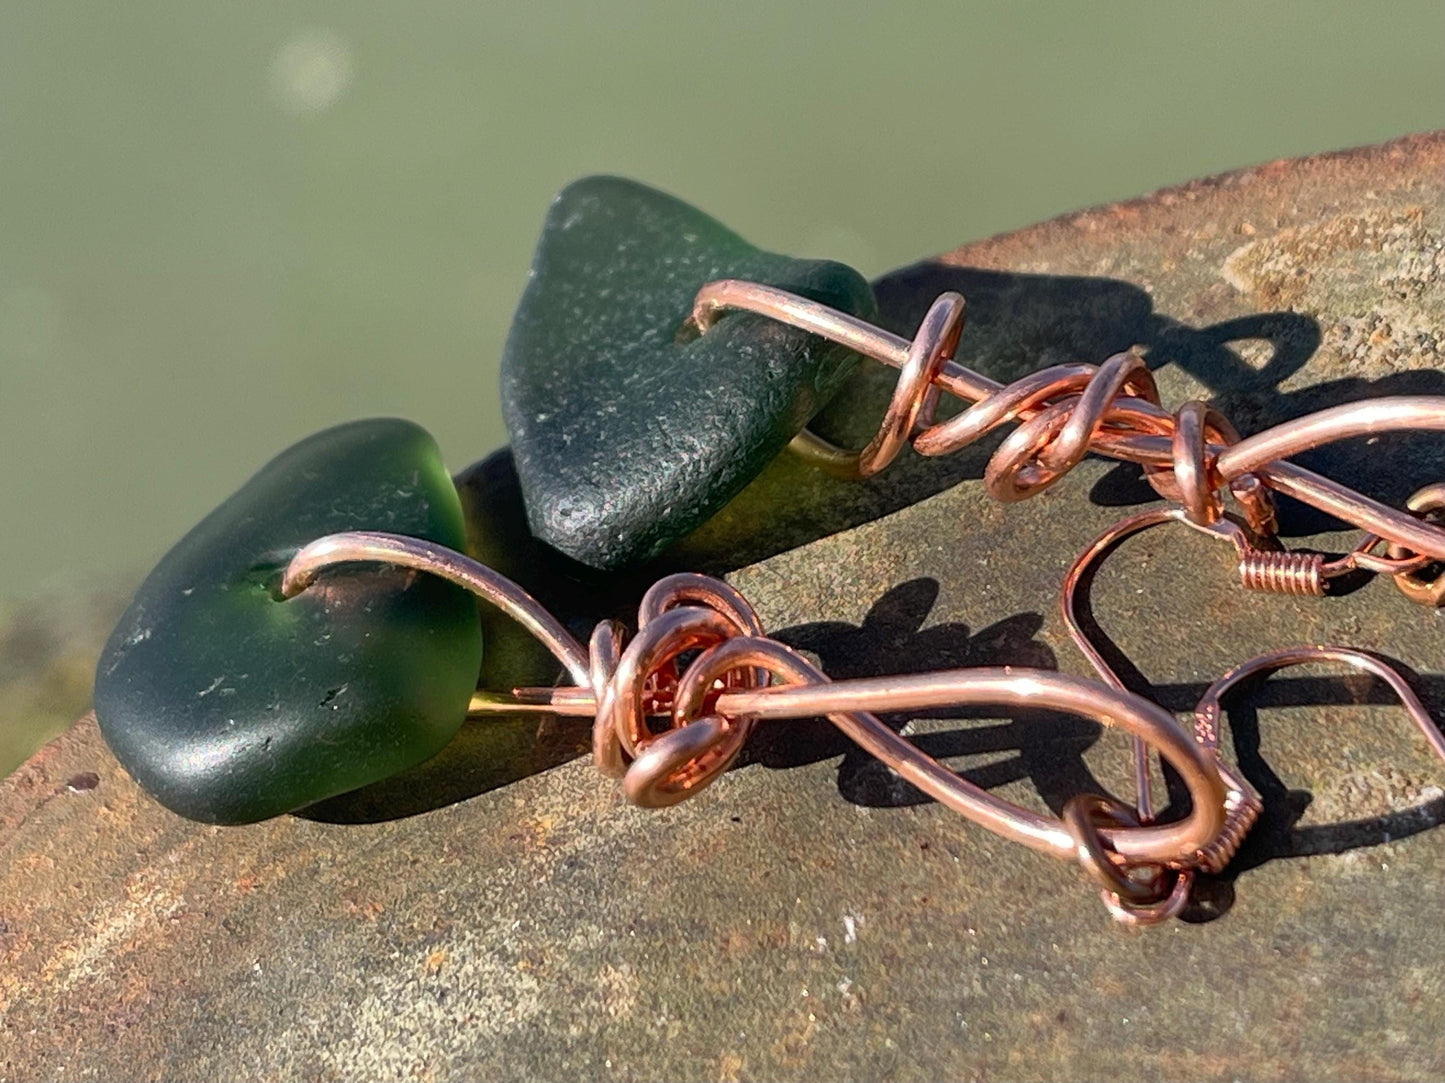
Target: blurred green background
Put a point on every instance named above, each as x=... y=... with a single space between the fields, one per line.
x=224 y=226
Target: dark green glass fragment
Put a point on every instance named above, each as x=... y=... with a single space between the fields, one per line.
x=627 y=435
x=231 y=705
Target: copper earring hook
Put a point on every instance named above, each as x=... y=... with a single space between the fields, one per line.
x=1068 y=606
x=1242 y=805
x=1208 y=712
x=1161 y=899
x=1240 y=796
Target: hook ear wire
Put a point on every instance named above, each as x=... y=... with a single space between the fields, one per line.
x=1208 y=712
x=1088 y=561
x=1241 y=804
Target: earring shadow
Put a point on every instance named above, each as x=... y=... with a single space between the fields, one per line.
x=892 y=639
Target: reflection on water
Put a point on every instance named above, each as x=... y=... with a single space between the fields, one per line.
x=311 y=71
x=223 y=229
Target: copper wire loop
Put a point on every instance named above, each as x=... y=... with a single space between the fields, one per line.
x=913 y=398
x=1431 y=592
x=1083 y=815
x=1129 y=899
x=1167 y=907
x=1113 y=410
x=680 y=613
x=1194 y=423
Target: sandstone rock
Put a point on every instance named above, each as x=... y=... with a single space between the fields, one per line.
x=809 y=917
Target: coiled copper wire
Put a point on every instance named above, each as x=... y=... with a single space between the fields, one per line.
x=1277 y=572
x=1065 y=411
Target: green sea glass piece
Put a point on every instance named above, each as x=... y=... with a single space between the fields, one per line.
x=627 y=432
x=230 y=704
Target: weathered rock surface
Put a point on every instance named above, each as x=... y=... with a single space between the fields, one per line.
x=808 y=917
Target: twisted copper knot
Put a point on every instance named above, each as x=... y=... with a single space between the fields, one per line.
x=680 y=615
x=1063 y=412
x=1067 y=410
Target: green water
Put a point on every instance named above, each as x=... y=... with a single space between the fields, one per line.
x=223 y=226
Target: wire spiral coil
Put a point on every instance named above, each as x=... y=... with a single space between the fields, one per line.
x=1301 y=574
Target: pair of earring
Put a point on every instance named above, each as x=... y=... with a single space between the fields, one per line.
x=318 y=632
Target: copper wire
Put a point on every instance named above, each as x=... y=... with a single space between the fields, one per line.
x=1242 y=805
x=913 y=402
x=1113 y=410
x=403 y=551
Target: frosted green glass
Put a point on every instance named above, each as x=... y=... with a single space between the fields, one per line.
x=229 y=704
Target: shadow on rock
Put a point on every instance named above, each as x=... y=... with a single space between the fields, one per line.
x=892 y=639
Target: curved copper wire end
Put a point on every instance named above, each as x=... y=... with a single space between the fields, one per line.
x=399 y=550
x=1208 y=711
